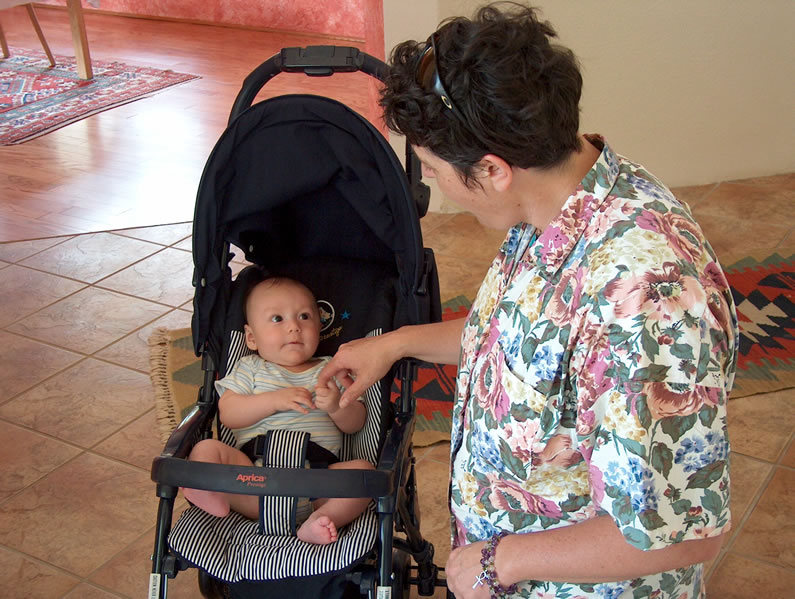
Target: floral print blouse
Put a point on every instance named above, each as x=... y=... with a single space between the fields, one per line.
x=596 y=365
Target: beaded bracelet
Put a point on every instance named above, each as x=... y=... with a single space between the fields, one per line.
x=489 y=574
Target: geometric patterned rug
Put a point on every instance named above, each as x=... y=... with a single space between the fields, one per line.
x=763 y=289
x=36 y=99
x=764 y=293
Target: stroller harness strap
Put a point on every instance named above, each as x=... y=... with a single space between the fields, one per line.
x=279 y=449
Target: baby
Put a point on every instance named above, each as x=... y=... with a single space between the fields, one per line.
x=277 y=389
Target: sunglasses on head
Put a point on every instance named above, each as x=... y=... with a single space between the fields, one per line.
x=428 y=75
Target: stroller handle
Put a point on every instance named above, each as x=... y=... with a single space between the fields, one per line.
x=314 y=61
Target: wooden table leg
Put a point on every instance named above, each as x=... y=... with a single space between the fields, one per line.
x=79 y=39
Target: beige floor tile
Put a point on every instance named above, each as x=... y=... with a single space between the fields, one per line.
x=26 y=578
x=91 y=257
x=785 y=181
x=726 y=233
x=84 y=404
x=737 y=577
x=88 y=591
x=90 y=494
x=128 y=572
x=19 y=250
x=24 y=290
x=164 y=277
x=788 y=241
x=432 y=476
x=431 y=221
x=163 y=234
x=789 y=458
x=89 y=320
x=465 y=238
x=693 y=194
x=133 y=350
x=137 y=443
x=27 y=456
x=769 y=532
x=79 y=516
x=711 y=566
x=24 y=363
x=763 y=204
x=747 y=477
x=458 y=278
x=771 y=413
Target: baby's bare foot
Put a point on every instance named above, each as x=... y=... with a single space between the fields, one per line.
x=319 y=530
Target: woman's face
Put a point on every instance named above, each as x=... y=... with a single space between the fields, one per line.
x=474 y=199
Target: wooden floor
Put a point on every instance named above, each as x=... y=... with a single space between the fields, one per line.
x=139 y=164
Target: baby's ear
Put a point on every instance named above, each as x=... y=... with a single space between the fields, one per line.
x=251 y=343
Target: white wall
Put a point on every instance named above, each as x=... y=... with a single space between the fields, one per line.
x=696 y=91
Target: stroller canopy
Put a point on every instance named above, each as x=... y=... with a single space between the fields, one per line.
x=296 y=177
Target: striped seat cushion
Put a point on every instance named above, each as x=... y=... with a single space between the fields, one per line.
x=233 y=549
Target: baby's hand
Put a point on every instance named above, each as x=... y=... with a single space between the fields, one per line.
x=327 y=397
x=293 y=398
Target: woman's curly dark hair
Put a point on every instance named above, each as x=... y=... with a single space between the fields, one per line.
x=518 y=93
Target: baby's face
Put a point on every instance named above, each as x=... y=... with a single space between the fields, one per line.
x=283 y=323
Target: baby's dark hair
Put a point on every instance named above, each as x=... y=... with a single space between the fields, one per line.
x=517 y=93
x=257 y=276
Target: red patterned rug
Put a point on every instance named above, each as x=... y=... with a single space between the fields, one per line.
x=764 y=292
x=36 y=99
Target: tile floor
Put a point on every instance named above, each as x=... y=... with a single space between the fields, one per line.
x=77 y=508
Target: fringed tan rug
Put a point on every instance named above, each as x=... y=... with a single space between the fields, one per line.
x=763 y=289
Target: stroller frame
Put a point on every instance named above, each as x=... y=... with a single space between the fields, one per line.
x=391 y=484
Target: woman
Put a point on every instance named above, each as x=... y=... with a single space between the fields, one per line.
x=589 y=451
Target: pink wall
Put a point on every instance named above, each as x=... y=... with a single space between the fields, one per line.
x=361 y=20
x=358 y=19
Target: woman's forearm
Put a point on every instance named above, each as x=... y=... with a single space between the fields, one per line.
x=438 y=342
x=361 y=362
x=592 y=551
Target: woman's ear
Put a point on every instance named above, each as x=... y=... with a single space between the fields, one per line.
x=251 y=342
x=497 y=171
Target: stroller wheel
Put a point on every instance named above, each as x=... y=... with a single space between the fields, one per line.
x=401 y=574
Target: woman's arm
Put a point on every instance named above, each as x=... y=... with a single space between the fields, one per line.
x=592 y=551
x=359 y=364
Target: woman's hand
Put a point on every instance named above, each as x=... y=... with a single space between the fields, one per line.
x=462 y=570
x=359 y=364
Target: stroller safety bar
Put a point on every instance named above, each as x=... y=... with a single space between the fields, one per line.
x=314 y=61
x=257 y=480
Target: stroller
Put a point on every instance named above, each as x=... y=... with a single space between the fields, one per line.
x=308 y=189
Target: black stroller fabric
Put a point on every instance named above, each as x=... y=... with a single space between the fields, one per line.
x=302 y=176
x=306 y=188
